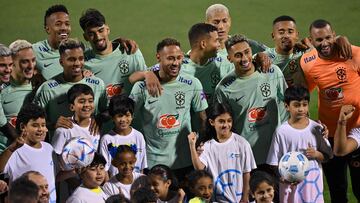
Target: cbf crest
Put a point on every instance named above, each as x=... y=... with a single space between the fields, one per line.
x=215 y=78
x=265 y=89
x=124 y=67
x=341 y=73
x=293 y=66
x=180 y=98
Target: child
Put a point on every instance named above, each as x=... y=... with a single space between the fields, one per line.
x=121 y=109
x=227 y=156
x=34 y=154
x=164 y=184
x=201 y=184
x=144 y=195
x=92 y=177
x=124 y=158
x=262 y=187
x=302 y=134
x=81 y=100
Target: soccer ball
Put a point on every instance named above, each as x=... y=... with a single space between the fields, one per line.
x=293 y=167
x=78 y=152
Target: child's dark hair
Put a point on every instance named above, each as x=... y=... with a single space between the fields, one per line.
x=140 y=182
x=118 y=198
x=98 y=160
x=116 y=150
x=212 y=112
x=77 y=90
x=121 y=104
x=29 y=112
x=165 y=173
x=144 y=195
x=194 y=176
x=296 y=93
x=258 y=177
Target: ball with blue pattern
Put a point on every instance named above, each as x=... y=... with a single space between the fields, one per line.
x=77 y=153
x=293 y=167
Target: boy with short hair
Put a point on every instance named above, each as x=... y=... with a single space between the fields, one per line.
x=299 y=133
x=92 y=177
x=121 y=109
x=81 y=103
x=30 y=153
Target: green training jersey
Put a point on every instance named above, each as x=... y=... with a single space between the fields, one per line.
x=256 y=47
x=165 y=120
x=3 y=140
x=289 y=65
x=257 y=105
x=47 y=59
x=52 y=96
x=209 y=74
x=115 y=68
x=13 y=97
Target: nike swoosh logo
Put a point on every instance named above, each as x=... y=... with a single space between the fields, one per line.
x=150 y=102
x=7 y=102
x=46 y=65
x=238 y=99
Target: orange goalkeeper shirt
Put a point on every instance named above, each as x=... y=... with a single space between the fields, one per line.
x=338 y=83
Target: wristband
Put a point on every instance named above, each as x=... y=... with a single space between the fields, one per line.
x=342 y=122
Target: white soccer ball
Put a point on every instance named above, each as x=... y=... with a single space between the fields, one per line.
x=293 y=167
x=78 y=152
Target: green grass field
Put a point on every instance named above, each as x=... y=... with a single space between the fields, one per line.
x=148 y=22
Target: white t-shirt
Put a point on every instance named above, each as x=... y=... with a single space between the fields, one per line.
x=86 y=195
x=63 y=135
x=227 y=162
x=355 y=134
x=112 y=186
x=28 y=158
x=287 y=139
x=135 y=137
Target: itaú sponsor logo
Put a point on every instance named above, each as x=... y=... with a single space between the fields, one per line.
x=168 y=121
x=256 y=114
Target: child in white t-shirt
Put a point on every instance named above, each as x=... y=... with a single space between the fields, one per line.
x=29 y=152
x=227 y=156
x=124 y=158
x=304 y=135
x=92 y=177
x=121 y=109
x=81 y=103
x=262 y=187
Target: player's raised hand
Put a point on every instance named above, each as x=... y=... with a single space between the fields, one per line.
x=3 y=186
x=343 y=47
x=324 y=130
x=263 y=61
x=303 y=45
x=153 y=84
x=127 y=45
x=346 y=112
x=64 y=122
x=192 y=137
x=87 y=73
